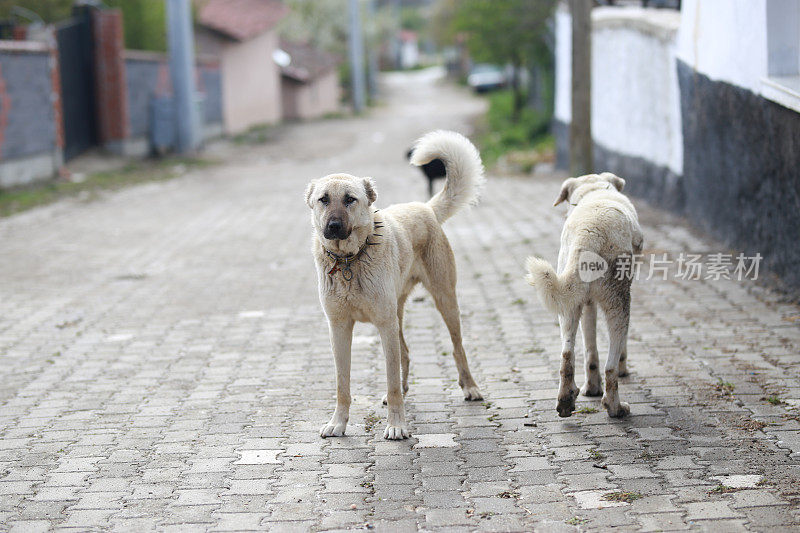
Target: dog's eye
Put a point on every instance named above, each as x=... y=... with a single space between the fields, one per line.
x=324 y=200
x=349 y=200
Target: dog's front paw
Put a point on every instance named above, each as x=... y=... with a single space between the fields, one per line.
x=619 y=410
x=333 y=429
x=566 y=402
x=472 y=394
x=395 y=433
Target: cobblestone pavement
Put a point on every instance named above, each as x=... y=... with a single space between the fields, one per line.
x=166 y=366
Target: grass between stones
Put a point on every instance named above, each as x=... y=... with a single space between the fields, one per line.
x=626 y=497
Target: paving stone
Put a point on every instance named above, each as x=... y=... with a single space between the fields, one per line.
x=709 y=511
x=662 y=522
x=443 y=440
x=446 y=517
x=755 y=498
x=595 y=499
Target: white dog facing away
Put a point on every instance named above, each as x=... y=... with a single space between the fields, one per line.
x=600 y=236
x=368 y=261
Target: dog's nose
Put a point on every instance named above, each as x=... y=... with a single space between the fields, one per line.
x=334 y=229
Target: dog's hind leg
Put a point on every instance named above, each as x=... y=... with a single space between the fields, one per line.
x=440 y=281
x=403 y=346
x=617 y=316
x=341 y=340
x=568 y=391
x=623 y=359
x=593 y=385
x=448 y=308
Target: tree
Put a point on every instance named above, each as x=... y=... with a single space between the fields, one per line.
x=507 y=32
x=144 y=23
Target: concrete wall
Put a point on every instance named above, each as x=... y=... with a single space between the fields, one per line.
x=725 y=40
x=633 y=57
x=251 y=83
x=741 y=125
x=742 y=170
x=147 y=75
x=30 y=122
x=310 y=100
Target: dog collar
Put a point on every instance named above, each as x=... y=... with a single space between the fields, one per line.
x=342 y=263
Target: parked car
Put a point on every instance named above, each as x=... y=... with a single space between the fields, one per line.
x=486 y=77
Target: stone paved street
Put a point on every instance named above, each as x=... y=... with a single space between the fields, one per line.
x=166 y=365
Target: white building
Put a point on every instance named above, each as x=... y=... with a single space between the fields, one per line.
x=699 y=110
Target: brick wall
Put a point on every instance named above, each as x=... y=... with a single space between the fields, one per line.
x=30 y=122
x=110 y=86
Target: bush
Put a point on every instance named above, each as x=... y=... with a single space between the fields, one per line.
x=502 y=134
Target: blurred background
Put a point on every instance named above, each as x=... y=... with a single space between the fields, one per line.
x=695 y=103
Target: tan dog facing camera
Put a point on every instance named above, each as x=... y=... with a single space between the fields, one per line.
x=598 y=241
x=368 y=261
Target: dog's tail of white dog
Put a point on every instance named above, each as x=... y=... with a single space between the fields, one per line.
x=464 y=170
x=560 y=294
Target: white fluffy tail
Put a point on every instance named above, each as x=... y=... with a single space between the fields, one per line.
x=560 y=294
x=464 y=170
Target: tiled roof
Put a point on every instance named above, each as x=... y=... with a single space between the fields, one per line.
x=307 y=62
x=241 y=19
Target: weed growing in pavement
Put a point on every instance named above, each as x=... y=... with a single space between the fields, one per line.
x=370 y=421
x=626 y=497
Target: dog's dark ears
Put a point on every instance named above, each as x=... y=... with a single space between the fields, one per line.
x=566 y=189
x=369 y=188
x=309 y=193
x=614 y=180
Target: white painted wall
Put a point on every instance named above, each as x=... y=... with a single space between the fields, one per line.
x=635 y=93
x=725 y=40
x=562 y=109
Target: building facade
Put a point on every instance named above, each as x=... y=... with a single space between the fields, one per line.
x=242 y=35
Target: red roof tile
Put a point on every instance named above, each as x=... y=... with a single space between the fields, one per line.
x=241 y=19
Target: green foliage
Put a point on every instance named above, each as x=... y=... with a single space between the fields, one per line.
x=504 y=134
x=512 y=32
x=505 y=31
x=49 y=10
x=411 y=19
x=144 y=23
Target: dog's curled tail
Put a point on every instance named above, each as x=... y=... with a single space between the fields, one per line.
x=560 y=294
x=464 y=170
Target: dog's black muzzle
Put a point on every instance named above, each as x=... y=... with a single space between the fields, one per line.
x=334 y=229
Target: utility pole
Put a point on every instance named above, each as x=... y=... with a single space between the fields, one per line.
x=181 y=65
x=356 y=56
x=581 y=159
x=372 y=53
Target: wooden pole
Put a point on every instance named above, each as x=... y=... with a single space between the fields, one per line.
x=581 y=159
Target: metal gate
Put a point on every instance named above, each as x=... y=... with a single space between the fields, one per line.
x=76 y=66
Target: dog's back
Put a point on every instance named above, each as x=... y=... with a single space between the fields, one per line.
x=602 y=226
